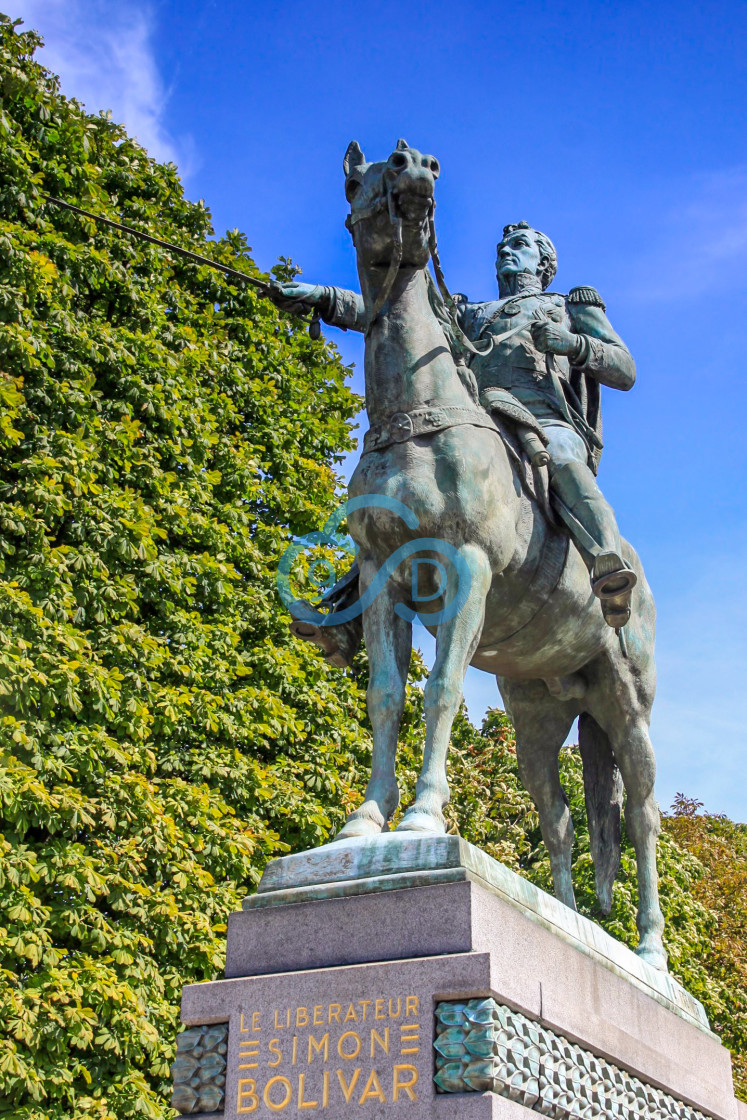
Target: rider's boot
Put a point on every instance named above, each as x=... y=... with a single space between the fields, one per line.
x=612 y=581
x=339 y=643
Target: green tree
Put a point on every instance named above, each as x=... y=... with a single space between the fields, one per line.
x=163 y=433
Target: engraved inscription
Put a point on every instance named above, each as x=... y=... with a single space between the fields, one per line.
x=330 y=1054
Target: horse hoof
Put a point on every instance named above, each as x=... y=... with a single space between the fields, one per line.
x=362 y=823
x=655 y=956
x=420 y=821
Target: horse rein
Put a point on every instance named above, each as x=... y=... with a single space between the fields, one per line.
x=387 y=201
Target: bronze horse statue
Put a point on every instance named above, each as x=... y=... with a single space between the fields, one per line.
x=526 y=610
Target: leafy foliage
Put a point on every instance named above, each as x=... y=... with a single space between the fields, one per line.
x=163 y=433
x=719 y=846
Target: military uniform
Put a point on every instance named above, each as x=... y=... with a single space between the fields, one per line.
x=559 y=396
x=558 y=391
x=563 y=396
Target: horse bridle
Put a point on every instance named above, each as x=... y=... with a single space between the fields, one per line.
x=387 y=201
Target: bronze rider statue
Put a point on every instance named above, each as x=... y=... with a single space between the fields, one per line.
x=550 y=354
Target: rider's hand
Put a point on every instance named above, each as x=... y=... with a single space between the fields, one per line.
x=292 y=294
x=552 y=338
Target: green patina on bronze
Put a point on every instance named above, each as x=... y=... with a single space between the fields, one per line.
x=482 y=1046
x=485 y=424
x=199 y=1070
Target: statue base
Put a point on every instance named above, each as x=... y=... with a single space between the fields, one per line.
x=415 y=975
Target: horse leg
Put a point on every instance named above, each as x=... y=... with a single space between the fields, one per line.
x=635 y=758
x=456 y=641
x=388 y=642
x=542 y=723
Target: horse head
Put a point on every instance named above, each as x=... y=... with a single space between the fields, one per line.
x=391 y=203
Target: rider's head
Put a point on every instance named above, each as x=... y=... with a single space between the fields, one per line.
x=524 y=249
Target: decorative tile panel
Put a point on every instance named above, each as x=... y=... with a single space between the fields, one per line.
x=199 y=1069
x=483 y=1046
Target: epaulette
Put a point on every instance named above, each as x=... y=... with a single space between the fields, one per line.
x=589 y=296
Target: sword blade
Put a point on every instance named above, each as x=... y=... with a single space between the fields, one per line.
x=263 y=285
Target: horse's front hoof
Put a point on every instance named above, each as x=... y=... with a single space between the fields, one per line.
x=363 y=822
x=418 y=820
x=655 y=955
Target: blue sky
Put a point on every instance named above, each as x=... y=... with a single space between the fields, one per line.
x=616 y=128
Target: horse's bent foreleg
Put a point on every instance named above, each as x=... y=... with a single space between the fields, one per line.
x=456 y=641
x=541 y=723
x=388 y=642
x=635 y=758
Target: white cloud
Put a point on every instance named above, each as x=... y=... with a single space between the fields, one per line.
x=701 y=228
x=103 y=53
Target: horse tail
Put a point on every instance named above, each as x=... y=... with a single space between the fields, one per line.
x=603 y=790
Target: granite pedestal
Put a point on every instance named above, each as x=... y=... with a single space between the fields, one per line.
x=416 y=976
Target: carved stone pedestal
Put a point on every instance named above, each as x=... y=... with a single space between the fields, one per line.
x=414 y=976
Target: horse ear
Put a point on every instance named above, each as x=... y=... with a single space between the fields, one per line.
x=354 y=157
x=402 y=145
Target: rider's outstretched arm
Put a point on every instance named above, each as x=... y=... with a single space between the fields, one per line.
x=344 y=309
x=337 y=306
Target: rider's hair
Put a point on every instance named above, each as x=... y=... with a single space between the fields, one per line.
x=548 y=256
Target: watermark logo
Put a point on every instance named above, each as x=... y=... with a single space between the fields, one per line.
x=453 y=583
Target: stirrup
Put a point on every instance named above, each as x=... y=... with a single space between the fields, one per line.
x=320 y=636
x=339 y=643
x=612 y=578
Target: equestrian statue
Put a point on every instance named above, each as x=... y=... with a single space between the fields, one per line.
x=482 y=450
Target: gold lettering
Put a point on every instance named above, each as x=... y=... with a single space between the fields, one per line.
x=404 y=1086
x=395 y=1014
x=301 y=1102
x=411 y=1001
x=281 y=1026
x=410 y=1032
x=356 y=1052
x=275 y=1106
x=318 y=1018
x=302 y=1020
x=322 y=1044
x=351 y=1015
x=274 y=1048
x=383 y=1042
x=380 y=1009
x=255 y=1023
x=364 y=1004
x=249 y=1049
x=347 y=1090
x=334 y=1015
x=373 y=1089
x=325 y=1088
x=295 y=1049
x=247 y=1099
